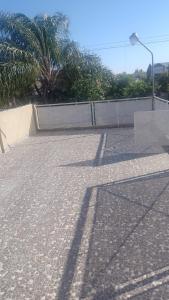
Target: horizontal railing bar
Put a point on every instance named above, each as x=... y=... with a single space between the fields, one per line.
x=97 y=101
x=162 y=100
x=62 y=104
x=122 y=100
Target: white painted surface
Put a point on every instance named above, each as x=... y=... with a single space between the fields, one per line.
x=152 y=127
x=15 y=125
x=120 y=113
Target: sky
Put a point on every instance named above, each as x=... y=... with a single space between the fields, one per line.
x=99 y=24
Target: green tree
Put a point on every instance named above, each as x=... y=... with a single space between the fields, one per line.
x=139 y=74
x=88 y=78
x=32 y=53
x=87 y=89
x=162 y=83
x=119 y=84
x=130 y=85
x=138 y=88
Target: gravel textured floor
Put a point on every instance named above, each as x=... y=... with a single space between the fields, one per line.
x=84 y=215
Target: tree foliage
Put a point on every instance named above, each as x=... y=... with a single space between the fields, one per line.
x=138 y=88
x=91 y=80
x=130 y=85
x=162 y=83
x=33 y=51
x=37 y=57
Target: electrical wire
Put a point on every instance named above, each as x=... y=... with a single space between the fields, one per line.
x=119 y=42
x=128 y=45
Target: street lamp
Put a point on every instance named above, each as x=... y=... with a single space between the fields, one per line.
x=134 y=39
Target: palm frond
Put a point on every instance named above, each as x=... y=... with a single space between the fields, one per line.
x=16 y=77
x=13 y=29
x=9 y=53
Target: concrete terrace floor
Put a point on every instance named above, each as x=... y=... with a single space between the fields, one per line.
x=84 y=215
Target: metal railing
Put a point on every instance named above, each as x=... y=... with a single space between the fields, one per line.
x=161 y=104
x=114 y=113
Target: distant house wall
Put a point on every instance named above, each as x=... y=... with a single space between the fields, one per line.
x=15 y=125
x=159 y=69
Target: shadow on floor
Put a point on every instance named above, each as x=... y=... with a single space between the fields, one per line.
x=72 y=132
x=111 y=150
x=52 y=141
x=109 y=160
x=62 y=136
x=128 y=240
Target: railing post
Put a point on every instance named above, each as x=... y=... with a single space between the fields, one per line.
x=93 y=117
x=1 y=143
x=91 y=109
x=94 y=113
x=36 y=117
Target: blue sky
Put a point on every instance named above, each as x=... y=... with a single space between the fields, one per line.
x=99 y=23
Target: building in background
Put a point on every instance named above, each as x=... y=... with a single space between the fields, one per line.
x=161 y=72
x=159 y=68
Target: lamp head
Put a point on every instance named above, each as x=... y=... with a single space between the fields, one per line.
x=134 y=38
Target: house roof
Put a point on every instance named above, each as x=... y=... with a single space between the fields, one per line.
x=165 y=64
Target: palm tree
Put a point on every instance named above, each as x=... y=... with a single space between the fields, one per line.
x=33 y=52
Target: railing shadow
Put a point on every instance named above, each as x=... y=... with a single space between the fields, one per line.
x=121 y=239
x=74 y=250
x=111 y=150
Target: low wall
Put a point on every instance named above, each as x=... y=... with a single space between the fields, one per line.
x=115 y=113
x=151 y=128
x=15 y=125
x=161 y=104
x=64 y=115
x=120 y=112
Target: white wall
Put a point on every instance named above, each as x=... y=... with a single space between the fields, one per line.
x=16 y=124
x=120 y=113
x=152 y=127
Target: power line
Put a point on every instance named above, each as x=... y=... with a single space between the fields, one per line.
x=128 y=45
x=125 y=41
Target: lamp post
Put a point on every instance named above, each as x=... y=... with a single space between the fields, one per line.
x=134 y=39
